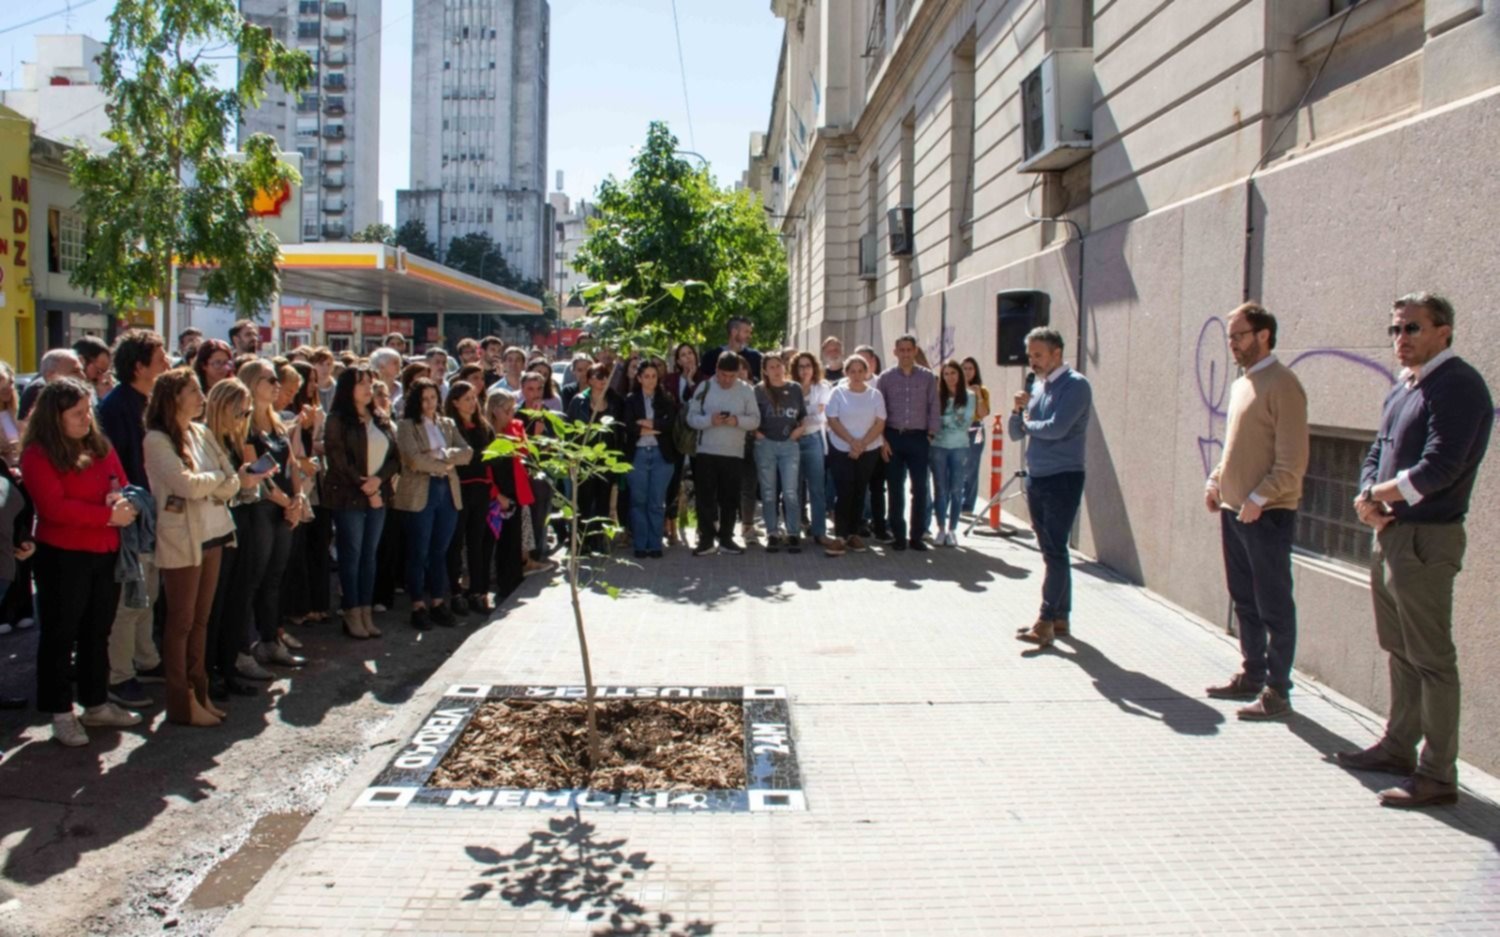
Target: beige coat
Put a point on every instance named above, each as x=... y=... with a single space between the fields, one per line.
x=204 y=491
x=419 y=462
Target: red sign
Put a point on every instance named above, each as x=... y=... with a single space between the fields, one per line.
x=338 y=320
x=374 y=325
x=296 y=317
x=432 y=333
x=403 y=326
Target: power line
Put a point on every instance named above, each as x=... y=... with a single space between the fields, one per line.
x=682 y=66
x=68 y=7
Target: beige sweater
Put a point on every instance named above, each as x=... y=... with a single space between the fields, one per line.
x=1265 y=440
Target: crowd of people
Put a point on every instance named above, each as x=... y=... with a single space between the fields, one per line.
x=217 y=490
x=178 y=514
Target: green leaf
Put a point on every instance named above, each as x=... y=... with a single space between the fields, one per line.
x=612 y=591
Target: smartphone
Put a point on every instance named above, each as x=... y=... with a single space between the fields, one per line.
x=263 y=464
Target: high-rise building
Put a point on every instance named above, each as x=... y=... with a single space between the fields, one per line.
x=335 y=122
x=60 y=91
x=479 y=127
x=570 y=229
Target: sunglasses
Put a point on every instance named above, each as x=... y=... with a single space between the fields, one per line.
x=1410 y=328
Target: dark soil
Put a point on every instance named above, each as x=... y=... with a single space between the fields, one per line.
x=645 y=745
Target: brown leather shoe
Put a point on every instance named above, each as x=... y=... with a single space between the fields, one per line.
x=1238 y=687
x=1059 y=627
x=1419 y=791
x=1271 y=704
x=1375 y=758
x=1040 y=634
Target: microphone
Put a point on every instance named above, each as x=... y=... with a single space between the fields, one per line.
x=1030 y=380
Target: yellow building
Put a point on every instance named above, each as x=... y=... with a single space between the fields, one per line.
x=17 y=252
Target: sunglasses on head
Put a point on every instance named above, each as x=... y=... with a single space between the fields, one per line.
x=1410 y=328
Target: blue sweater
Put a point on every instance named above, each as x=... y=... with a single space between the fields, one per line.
x=1436 y=432
x=1056 y=421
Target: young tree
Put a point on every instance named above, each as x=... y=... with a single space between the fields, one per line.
x=668 y=223
x=171 y=189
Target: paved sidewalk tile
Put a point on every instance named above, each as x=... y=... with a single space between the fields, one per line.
x=954 y=785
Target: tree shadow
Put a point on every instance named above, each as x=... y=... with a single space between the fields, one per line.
x=1473 y=815
x=1139 y=694
x=709 y=582
x=568 y=867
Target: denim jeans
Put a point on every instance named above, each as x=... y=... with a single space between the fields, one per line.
x=909 y=456
x=773 y=458
x=969 y=500
x=358 y=543
x=947 y=479
x=1053 y=502
x=1258 y=568
x=810 y=467
x=428 y=533
x=253 y=612
x=650 y=474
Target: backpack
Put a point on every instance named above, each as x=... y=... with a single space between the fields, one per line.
x=684 y=437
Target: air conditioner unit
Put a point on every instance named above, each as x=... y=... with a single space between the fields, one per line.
x=898 y=220
x=867 y=257
x=1057 y=111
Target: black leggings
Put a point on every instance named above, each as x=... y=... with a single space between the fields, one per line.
x=851 y=478
x=76 y=597
x=472 y=546
x=309 y=571
x=265 y=546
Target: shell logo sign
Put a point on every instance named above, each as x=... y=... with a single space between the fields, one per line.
x=269 y=203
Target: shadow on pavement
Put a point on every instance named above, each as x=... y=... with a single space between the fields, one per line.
x=568 y=867
x=708 y=582
x=63 y=803
x=1139 y=694
x=1472 y=815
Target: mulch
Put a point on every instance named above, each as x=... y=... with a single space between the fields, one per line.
x=646 y=745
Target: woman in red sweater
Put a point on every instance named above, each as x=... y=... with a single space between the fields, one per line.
x=74 y=478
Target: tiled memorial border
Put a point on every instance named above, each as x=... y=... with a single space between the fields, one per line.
x=773 y=778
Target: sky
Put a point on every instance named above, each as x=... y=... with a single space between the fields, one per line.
x=614 y=69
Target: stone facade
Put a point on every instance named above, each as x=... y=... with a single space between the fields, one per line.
x=479 y=127
x=334 y=123
x=1216 y=170
x=570 y=229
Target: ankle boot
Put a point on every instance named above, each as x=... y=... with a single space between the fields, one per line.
x=354 y=625
x=367 y=617
x=198 y=716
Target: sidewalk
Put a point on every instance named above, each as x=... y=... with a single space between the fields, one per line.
x=953 y=786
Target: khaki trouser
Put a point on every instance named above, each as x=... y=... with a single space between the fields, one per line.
x=130 y=643
x=1411 y=579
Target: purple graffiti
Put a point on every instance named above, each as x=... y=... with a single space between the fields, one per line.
x=1348 y=356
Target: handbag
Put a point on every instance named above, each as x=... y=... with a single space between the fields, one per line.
x=684 y=437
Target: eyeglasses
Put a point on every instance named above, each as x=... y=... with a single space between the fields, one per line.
x=1410 y=328
x=1236 y=336
x=218 y=364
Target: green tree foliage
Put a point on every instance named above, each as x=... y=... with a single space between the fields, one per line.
x=478 y=255
x=413 y=236
x=376 y=233
x=171 y=188
x=669 y=224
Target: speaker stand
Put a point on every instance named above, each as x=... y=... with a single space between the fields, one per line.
x=999 y=498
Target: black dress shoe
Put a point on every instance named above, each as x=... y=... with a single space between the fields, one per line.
x=918 y=543
x=217 y=691
x=419 y=619
x=458 y=605
x=898 y=545
x=442 y=615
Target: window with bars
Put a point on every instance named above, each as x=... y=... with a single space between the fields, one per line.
x=1326 y=523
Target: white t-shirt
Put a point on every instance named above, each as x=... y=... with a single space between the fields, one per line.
x=816 y=399
x=856 y=411
x=377 y=444
x=435 y=440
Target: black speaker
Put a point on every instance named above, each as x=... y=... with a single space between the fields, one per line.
x=1016 y=313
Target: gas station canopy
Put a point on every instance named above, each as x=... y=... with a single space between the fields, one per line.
x=376 y=276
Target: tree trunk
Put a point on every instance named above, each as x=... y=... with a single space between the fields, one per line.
x=583 y=641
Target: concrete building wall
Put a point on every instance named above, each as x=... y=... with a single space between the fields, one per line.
x=60 y=92
x=479 y=126
x=1371 y=189
x=334 y=123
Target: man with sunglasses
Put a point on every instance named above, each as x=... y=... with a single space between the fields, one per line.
x=1255 y=490
x=1414 y=492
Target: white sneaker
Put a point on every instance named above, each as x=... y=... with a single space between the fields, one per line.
x=109 y=715
x=25 y=623
x=949 y=540
x=67 y=731
x=5 y=628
